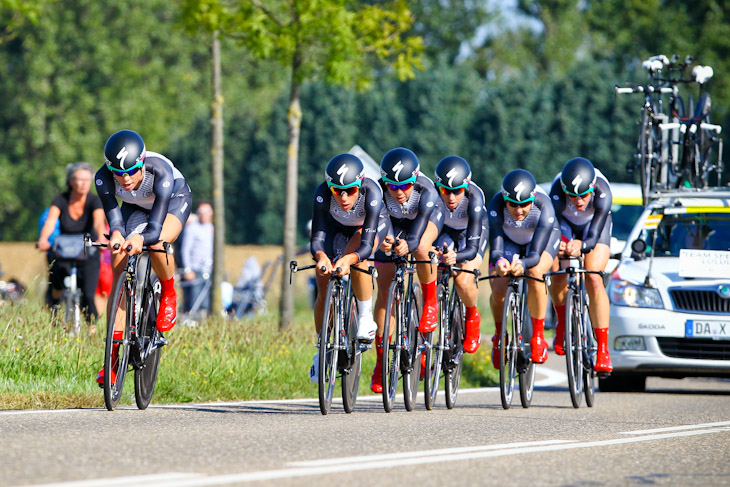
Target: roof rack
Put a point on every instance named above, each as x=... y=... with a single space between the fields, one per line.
x=714 y=192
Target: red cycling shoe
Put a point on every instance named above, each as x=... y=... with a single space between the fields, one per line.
x=376 y=381
x=473 y=337
x=118 y=335
x=167 y=317
x=539 y=349
x=603 y=359
x=430 y=317
x=422 y=374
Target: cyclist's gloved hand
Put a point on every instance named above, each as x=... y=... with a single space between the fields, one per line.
x=133 y=245
x=503 y=266
x=323 y=262
x=116 y=242
x=448 y=255
x=401 y=247
x=387 y=244
x=573 y=248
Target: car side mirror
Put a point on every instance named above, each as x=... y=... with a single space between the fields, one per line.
x=638 y=249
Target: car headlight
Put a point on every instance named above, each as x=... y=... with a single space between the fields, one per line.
x=624 y=293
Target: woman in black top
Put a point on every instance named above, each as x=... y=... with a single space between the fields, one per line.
x=78 y=211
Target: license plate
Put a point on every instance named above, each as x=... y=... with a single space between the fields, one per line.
x=717 y=330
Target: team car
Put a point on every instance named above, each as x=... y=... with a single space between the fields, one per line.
x=670 y=294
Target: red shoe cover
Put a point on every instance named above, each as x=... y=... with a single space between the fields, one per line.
x=376 y=381
x=559 y=342
x=167 y=317
x=538 y=344
x=603 y=359
x=118 y=335
x=495 y=351
x=430 y=317
x=422 y=374
x=473 y=337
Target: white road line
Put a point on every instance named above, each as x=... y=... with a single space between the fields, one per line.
x=676 y=428
x=427 y=453
x=415 y=458
x=122 y=481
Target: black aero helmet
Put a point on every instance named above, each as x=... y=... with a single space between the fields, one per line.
x=519 y=186
x=124 y=151
x=578 y=177
x=343 y=171
x=399 y=166
x=453 y=172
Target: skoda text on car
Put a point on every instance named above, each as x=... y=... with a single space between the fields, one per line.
x=670 y=294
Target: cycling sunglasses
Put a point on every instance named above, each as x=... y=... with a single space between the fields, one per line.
x=445 y=190
x=581 y=195
x=351 y=191
x=524 y=204
x=401 y=187
x=129 y=172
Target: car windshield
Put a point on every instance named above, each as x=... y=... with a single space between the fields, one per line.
x=703 y=231
x=624 y=217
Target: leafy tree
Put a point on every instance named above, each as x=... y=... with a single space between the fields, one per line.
x=332 y=39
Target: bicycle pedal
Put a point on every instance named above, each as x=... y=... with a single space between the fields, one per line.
x=365 y=341
x=602 y=375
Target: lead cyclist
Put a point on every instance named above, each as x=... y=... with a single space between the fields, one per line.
x=156 y=203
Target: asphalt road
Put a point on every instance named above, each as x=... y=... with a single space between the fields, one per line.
x=677 y=433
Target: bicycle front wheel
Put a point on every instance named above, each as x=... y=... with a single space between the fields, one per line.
x=411 y=351
x=328 y=348
x=573 y=348
x=351 y=370
x=391 y=351
x=145 y=377
x=435 y=350
x=455 y=348
x=589 y=354
x=115 y=363
x=508 y=348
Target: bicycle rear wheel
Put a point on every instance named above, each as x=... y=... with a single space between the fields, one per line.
x=351 y=370
x=434 y=351
x=113 y=390
x=391 y=351
x=411 y=351
x=454 y=346
x=328 y=348
x=145 y=377
x=508 y=349
x=573 y=352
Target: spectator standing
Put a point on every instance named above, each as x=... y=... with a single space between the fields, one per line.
x=197 y=257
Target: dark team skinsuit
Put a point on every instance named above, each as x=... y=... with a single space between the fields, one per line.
x=163 y=190
x=466 y=226
x=591 y=226
x=410 y=219
x=329 y=220
x=538 y=232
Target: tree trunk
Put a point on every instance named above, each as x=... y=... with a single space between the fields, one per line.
x=294 y=122
x=219 y=216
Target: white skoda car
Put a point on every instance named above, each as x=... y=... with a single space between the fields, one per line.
x=670 y=294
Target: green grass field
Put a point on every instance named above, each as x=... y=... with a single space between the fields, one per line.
x=41 y=366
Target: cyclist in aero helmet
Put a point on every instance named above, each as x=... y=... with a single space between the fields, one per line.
x=348 y=223
x=463 y=234
x=581 y=196
x=156 y=203
x=410 y=200
x=524 y=239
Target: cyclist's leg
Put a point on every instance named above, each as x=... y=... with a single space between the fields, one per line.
x=164 y=267
x=427 y=277
x=468 y=292
x=558 y=288
x=537 y=304
x=596 y=260
x=363 y=289
x=386 y=272
x=496 y=304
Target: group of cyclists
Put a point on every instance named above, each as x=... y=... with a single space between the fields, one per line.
x=356 y=219
x=528 y=232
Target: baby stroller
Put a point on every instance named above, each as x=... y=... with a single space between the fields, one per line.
x=248 y=294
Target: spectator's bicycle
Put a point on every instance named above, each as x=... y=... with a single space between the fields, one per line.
x=135 y=301
x=444 y=345
x=514 y=339
x=71 y=248
x=339 y=348
x=580 y=344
